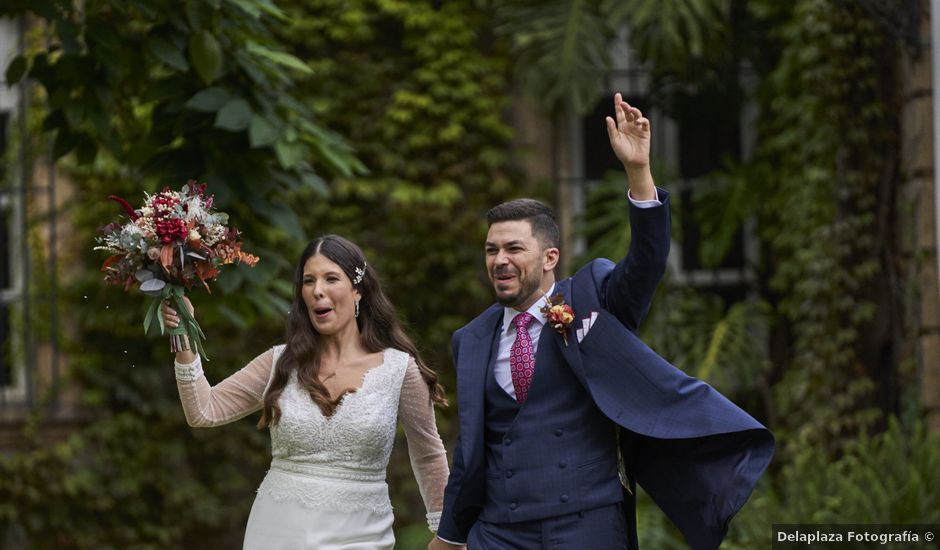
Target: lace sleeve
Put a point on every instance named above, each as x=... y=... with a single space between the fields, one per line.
x=231 y=399
x=425 y=448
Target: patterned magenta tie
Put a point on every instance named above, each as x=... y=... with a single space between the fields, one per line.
x=522 y=357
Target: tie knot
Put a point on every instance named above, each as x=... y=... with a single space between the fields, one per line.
x=522 y=320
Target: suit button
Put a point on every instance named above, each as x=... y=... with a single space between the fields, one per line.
x=558 y=433
x=562 y=464
x=564 y=498
x=507 y=441
x=508 y=473
x=513 y=506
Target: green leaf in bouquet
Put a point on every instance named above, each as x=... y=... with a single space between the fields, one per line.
x=161 y=321
x=188 y=325
x=153 y=287
x=149 y=317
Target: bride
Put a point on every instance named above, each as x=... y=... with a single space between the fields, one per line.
x=331 y=397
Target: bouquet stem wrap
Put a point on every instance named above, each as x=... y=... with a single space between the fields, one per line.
x=188 y=327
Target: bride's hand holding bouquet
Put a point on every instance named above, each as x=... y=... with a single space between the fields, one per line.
x=174 y=242
x=171 y=318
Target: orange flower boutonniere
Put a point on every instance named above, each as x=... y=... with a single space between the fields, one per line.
x=558 y=314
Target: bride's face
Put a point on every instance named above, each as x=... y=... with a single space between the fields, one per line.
x=329 y=296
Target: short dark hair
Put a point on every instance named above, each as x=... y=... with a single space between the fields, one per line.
x=539 y=215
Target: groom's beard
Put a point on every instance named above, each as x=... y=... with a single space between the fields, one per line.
x=527 y=287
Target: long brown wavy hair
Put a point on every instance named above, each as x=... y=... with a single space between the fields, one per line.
x=379 y=328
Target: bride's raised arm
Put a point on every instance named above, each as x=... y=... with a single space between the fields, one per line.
x=231 y=399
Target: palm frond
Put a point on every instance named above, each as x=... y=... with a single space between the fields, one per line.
x=562 y=49
x=673 y=34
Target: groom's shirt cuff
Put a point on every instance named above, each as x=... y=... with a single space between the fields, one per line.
x=450 y=541
x=649 y=203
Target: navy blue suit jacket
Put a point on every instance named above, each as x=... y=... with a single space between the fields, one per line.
x=693 y=451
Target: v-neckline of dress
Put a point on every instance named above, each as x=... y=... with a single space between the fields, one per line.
x=352 y=391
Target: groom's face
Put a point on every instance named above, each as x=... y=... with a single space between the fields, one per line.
x=516 y=263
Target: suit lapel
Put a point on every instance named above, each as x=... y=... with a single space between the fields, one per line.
x=570 y=352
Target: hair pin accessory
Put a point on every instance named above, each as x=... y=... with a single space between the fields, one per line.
x=360 y=273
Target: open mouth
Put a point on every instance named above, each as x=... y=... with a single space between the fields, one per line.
x=321 y=312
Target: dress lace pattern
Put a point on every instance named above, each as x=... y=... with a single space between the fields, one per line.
x=338 y=462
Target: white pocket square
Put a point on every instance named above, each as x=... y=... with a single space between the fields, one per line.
x=586 y=325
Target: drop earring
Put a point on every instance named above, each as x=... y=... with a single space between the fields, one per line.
x=357 y=308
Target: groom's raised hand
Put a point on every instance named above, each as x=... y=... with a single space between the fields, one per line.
x=629 y=134
x=630 y=139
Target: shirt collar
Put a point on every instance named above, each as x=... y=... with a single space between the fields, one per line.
x=509 y=313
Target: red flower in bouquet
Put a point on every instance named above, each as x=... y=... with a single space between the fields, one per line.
x=173 y=242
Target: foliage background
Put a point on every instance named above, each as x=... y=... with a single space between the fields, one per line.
x=253 y=98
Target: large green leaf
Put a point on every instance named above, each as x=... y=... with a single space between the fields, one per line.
x=256 y=8
x=206 y=55
x=281 y=58
x=167 y=52
x=209 y=100
x=262 y=132
x=199 y=14
x=65 y=141
x=16 y=70
x=235 y=115
x=289 y=154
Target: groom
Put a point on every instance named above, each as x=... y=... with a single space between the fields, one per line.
x=560 y=420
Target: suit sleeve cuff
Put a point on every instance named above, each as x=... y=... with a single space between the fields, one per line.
x=649 y=203
x=450 y=541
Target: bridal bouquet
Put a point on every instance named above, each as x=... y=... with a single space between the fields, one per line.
x=174 y=242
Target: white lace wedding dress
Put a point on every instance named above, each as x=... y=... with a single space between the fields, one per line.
x=326 y=487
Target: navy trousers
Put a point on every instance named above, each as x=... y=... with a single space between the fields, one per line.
x=599 y=529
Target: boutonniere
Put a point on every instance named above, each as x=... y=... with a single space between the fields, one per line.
x=558 y=314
